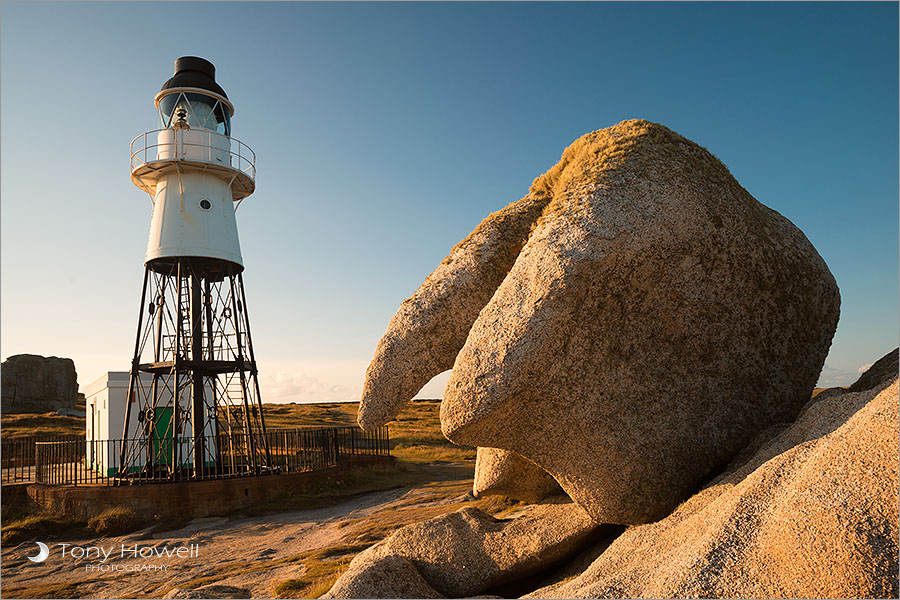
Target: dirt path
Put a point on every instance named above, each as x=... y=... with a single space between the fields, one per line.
x=254 y=553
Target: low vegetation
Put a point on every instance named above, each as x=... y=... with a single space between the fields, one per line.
x=41 y=425
x=115 y=521
x=40 y=527
x=321 y=568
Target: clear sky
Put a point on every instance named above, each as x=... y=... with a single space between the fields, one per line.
x=386 y=132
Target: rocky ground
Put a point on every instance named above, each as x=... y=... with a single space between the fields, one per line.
x=809 y=509
x=289 y=554
x=301 y=553
x=296 y=547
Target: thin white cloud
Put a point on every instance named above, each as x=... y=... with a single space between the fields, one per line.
x=836 y=377
x=325 y=381
x=302 y=387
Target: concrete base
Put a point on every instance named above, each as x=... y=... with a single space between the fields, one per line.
x=190 y=499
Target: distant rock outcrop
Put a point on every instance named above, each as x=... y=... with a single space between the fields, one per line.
x=628 y=326
x=464 y=553
x=35 y=384
x=812 y=514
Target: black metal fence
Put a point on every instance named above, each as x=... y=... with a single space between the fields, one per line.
x=76 y=461
x=17 y=457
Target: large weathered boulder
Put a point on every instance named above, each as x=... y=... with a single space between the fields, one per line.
x=382 y=576
x=656 y=318
x=35 y=384
x=503 y=473
x=812 y=514
x=465 y=552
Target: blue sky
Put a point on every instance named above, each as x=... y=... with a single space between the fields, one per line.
x=386 y=132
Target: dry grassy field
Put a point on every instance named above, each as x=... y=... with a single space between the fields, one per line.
x=15 y=426
x=415 y=434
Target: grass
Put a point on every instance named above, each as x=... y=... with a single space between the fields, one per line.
x=41 y=425
x=41 y=526
x=817 y=391
x=115 y=521
x=415 y=433
x=321 y=569
x=112 y=522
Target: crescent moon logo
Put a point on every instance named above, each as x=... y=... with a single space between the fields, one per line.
x=42 y=555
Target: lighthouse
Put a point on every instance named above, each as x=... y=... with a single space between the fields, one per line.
x=193 y=406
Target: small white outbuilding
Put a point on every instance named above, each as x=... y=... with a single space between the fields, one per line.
x=105 y=407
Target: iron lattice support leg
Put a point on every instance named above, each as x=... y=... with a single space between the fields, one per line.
x=198 y=375
x=190 y=352
x=133 y=374
x=254 y=372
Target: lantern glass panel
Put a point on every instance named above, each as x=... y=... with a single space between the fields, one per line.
x=200 y=110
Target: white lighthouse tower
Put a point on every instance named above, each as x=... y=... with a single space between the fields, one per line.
x=193 y=377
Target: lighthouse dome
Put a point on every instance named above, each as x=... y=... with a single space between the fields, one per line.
x=194 y=72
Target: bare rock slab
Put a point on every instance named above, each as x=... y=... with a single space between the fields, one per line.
x=812 y=514
x=464 y=553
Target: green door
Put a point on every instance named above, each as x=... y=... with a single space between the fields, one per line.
x=163 y=437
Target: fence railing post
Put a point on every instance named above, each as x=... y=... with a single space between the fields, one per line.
x=38 y=467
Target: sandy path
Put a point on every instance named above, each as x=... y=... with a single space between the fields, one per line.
x=222 y=545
